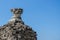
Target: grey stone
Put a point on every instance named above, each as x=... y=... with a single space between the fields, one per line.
x=16 y=29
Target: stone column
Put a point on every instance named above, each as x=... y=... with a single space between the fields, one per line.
x=16 y=14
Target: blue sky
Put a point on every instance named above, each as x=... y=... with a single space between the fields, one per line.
x=42 y=15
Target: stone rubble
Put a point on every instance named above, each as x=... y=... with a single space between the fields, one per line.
x=17 y=30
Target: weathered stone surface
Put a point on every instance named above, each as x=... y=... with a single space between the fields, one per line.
x=17 y=30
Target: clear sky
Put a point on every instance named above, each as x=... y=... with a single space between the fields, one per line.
x=42 y=15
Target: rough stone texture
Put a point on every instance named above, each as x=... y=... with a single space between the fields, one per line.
x=17 y=30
